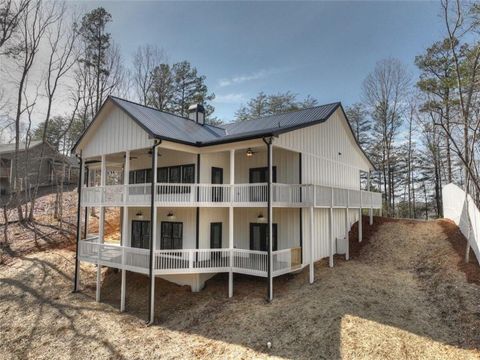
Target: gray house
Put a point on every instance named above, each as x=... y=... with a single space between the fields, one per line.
x=50 y=170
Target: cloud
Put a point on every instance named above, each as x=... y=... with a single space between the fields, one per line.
x=231 y=98
x=239 y=79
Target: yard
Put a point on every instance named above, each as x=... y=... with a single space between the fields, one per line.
x=404 y=294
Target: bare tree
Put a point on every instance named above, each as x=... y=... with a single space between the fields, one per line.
x=35 y=21
x=145 y=59
x=61 y=39
x=11 y=13
x=385 y=92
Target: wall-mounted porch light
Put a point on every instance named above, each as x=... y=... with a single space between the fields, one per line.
x=261 y=218
x=139 y=215
x=171 y=216
x=249 y=152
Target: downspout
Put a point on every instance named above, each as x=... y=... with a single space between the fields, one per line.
x=268 y=142
x=75 y=280
x=152 y=209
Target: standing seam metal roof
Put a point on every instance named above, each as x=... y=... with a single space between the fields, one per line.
x=165 y=125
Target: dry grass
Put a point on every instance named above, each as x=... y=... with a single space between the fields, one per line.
x=402 y=296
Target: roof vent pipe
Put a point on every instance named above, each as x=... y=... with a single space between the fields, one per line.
x=196 y=113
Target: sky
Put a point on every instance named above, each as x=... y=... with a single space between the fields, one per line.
x=322 y=49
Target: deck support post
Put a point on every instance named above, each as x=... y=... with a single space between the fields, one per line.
x=230 y=221
x=370 y=208
x=330 y=232
x=76 y=280
x=311 y=266
x=153 y=233
x=347 y=229
x=360 y=214
x=126 y=172
x=101 y=227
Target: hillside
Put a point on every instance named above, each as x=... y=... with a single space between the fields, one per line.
x=405 y=294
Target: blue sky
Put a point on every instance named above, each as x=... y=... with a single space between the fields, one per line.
x=324 y=49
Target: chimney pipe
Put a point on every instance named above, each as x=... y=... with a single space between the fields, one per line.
x=196 y=113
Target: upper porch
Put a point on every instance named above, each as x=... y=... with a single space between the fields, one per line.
x=221 y=177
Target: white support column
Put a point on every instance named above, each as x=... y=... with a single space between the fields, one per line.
x=347 y=228
x=230 y=220
x=312 y=265
x=101 y=227
x=370 y=207
x=360 y=214
x=126 y=172
x=330 y=231
x=79 y=230
x=154 y=234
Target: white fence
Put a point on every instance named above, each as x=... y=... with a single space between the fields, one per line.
x=462 y=210
x=225 y=194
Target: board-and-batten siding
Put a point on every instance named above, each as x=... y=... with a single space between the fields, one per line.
x=320 y=231
x=114 y=132
x=286 y=162
x=331 y=157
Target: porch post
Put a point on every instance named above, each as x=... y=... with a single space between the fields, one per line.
x=311 y=266
x=347 y=229
x=126 y=172
x=270 y=218
x=86 y=177
x=101 y=227
x=76 y=280
x=330 y=231
x=153 y=232
x=360 y=213
x=230 y=221
x=370 y=210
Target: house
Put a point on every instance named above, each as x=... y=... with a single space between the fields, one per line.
x=28 y=161
x=219 y=193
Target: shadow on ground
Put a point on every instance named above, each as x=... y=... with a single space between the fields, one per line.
x=403 y=294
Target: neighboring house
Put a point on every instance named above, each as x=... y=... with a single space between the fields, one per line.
x=220 y=193
x=28 y=162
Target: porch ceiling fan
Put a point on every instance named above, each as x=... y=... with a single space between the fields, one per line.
x=250 y=152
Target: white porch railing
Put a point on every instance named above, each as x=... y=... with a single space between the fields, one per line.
x=221 y=195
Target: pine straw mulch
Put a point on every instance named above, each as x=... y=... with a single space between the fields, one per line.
x=402 y=296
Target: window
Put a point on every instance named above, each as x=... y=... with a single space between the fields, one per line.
x=171 y=235
x=175 y=174
x=188 y=174
x=169 y=174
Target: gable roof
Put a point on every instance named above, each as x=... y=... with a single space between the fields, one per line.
x=166 y=126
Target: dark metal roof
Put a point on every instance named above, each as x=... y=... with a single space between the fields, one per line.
x=288 y=120
x=166 y=126
x=173 y=127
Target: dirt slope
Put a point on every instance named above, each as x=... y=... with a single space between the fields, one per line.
x=403 y=295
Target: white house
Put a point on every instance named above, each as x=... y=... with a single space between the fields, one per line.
x=220 y=193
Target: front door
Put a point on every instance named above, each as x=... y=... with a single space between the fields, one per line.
x=217 y=178
x=259 y=235
x=171 y=235
x=216 y=235
x=260 y=175
x=141 y=234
